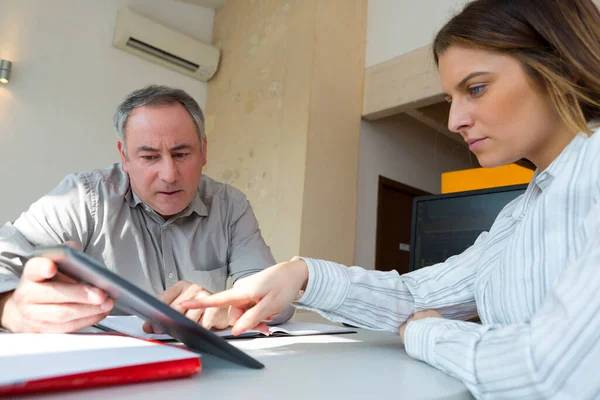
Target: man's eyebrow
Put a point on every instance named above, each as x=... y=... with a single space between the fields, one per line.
x=174 y=148
x=181 y=147
x=146 y=148
x=467 y=78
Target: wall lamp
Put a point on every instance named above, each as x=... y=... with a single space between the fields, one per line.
x=5 y=67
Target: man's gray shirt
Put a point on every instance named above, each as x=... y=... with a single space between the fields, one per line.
x=216 y=236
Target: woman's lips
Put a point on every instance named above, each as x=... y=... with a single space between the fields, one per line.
x=475 y=144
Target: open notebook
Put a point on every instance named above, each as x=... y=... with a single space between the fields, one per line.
x=132 y=325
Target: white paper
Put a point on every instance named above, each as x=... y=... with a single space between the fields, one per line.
x=132 y=325
x=31 y=356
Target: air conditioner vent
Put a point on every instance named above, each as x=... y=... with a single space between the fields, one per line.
x=162 y=45
x=163 y=55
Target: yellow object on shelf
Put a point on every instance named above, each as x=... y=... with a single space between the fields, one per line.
x=483 y=178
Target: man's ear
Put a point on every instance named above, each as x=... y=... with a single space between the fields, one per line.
x=121 y=148
x=204 y=150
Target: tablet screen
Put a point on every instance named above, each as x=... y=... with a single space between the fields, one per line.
x=136 y=301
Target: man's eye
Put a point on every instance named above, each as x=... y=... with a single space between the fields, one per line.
x=180 y=155
x=149 y=158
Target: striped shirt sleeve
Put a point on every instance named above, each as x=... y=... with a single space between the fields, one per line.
x=554 y=355
x=380 y=300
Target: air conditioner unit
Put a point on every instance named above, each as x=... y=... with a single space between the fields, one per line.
x=157 y=43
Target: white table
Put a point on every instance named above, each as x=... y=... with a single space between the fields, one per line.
x=366 y=365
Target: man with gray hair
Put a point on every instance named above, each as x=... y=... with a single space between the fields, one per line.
x=153 y=218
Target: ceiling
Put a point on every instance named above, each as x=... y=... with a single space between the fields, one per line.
x=207 y=3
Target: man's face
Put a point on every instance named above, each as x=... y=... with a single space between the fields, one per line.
x=164 y=157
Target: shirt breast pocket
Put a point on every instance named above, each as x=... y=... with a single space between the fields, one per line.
x=214 y=280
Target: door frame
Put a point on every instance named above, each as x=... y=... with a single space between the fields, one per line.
x=383 y=181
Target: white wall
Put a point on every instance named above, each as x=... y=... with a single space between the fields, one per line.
x=402 y=149
x=395 y=27
x=56 y=113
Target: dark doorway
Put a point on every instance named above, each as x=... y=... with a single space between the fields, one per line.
x=394 y=217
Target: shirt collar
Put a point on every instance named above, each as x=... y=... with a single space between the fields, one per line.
x=198 y=206
x=543 y=178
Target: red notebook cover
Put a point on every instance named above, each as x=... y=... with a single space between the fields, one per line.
x=175 y=368
x=114 y=376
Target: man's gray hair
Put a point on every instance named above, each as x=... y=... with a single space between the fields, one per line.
x=155 y=95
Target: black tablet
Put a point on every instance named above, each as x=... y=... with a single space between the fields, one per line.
x=130 y=298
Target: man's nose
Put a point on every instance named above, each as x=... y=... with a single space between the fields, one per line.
x=168 y=171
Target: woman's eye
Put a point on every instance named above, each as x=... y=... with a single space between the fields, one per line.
x=476 y=90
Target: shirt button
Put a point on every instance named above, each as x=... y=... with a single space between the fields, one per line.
x=171 y=275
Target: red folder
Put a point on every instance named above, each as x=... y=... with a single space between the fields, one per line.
x=30 y=369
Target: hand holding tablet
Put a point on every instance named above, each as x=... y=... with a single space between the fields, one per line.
x=79 y=267
x=45 y=300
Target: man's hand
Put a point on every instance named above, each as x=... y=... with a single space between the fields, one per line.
x=417 y=316
x=48 y=301
x=183 y=290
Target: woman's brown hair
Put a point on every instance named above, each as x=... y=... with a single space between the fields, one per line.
x=556 y=41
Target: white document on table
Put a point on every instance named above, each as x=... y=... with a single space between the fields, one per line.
x=132 y=325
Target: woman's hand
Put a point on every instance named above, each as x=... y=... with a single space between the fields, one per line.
x=417 y=316
x=258 y=297
x=183 y=290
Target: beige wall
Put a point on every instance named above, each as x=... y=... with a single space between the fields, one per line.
x=399 y=147
x=395 y=27
x=329 y=209
x=67 y=80
x=402 y=149
x=283 y=117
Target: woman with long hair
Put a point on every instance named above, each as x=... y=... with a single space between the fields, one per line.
x=523 y=80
